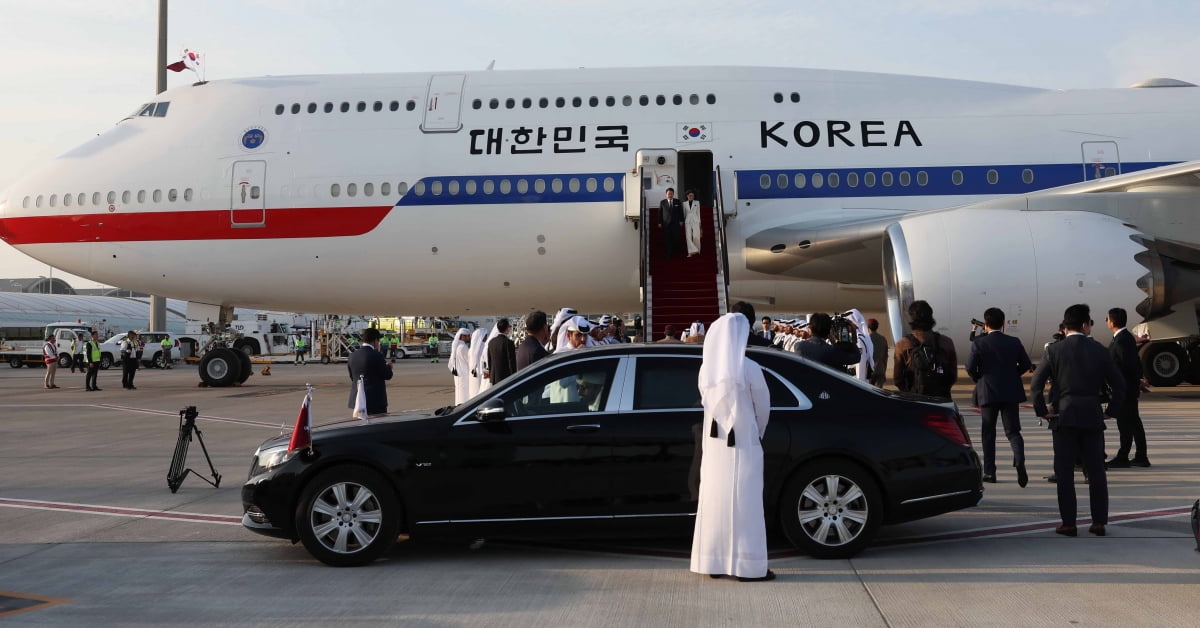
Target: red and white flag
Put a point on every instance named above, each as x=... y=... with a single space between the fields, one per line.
x=302 y=433
x=190 y=60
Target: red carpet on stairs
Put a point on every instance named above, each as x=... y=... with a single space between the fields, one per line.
x=683 y=289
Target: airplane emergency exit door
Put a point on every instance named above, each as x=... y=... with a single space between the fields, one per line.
x=247 y=202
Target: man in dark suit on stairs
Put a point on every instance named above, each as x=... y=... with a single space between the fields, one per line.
x=1080 y=367
x=671 y=219
x=996 y=363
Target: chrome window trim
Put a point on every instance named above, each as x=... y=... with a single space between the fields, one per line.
x=626 y=407
x=618 y=376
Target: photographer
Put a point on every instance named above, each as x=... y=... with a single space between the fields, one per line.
x=818 y=348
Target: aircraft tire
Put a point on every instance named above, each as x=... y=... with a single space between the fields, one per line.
x=1164 y=363
x=220 y=368
x=244 y=362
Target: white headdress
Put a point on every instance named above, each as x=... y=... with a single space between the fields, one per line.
x=722 y=371
x=557 y=334
x=577 y=323
x=478 y=349
x=453 y=364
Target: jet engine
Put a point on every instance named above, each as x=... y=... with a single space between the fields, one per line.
x=1031 y=264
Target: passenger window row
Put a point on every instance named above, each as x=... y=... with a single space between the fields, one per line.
x=487 y=186
x=126 y=197
x=592 y=101
x=329 y=107
x=869 y=179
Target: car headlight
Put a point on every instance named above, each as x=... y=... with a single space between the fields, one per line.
x=273 y=457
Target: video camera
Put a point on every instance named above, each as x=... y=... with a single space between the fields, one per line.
x=978 y=323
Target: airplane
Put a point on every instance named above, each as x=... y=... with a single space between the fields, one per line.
x=506 y=191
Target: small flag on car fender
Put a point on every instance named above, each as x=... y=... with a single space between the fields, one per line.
x=302 y=433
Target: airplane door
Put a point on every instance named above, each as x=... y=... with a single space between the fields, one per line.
x=1100 y=159
x=247 y=203
x=443 y=104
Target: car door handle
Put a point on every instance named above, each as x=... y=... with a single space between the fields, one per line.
x=589 y=427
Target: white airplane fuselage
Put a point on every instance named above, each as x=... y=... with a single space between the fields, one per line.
x=249 y=192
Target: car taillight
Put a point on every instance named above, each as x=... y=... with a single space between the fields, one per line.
x=949 y=426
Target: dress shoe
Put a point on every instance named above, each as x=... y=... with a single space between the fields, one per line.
x=770 y=576
x=1140 y=462
x=990 y=479
x=1117 y=463
x=1022 y=476
x=1066 y=530
x=1053 y=479
x=1097 y=529
x=96 y=389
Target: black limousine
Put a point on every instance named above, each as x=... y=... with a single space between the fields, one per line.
x=603 y=442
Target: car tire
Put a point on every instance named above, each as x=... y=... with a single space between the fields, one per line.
x=106 y=362
x=64 y=360
x=220 y=367
x=831 y=509
x=348 y=516
x=16 y=362
x=325 y=359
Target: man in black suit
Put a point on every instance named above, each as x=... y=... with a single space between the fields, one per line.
x=369 y=364
x=1124 y=353
x=766 y=333
x=747 y=310
x=996 y=363
x=501 y=354
x=537 y=334
x=818 y=349
x=1080 y=367
x=671 y=219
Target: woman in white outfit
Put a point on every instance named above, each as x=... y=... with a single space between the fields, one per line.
x=731 y=530
x=691 y=223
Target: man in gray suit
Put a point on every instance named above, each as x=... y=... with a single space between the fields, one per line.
x=1080 y=367
x=996 y=363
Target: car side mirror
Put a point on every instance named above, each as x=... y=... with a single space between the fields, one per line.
x=491 y=410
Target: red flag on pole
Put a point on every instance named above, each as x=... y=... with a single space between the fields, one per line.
x=302 y=433
x=178 y=66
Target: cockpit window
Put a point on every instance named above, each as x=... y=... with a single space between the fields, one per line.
x=152 y=110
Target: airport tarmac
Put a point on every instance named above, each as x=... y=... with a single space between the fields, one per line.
x=93 y=536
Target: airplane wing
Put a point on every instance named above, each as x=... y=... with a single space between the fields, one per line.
x=847 y=247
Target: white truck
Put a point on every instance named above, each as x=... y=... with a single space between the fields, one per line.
x=29 y=352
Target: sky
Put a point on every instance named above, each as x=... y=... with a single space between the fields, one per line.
x=71 y=69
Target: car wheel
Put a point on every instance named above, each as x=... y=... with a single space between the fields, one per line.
x=831 y=509
x=106 y=362
x=348 y=516
x=64 y=360
x=15 y=362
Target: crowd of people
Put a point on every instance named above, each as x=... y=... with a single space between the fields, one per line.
x=86 y=357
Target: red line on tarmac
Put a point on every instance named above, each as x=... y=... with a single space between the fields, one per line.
x=113 y=511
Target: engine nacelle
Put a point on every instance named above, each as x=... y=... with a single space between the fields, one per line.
x=1031 y=264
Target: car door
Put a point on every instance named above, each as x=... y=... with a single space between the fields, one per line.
x=655 y=468
x=657 y=436
x=546 y=460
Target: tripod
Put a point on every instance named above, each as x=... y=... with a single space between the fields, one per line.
x=187 y=425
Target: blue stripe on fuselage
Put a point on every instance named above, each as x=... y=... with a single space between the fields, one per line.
x=606 y=187
x=938 y=181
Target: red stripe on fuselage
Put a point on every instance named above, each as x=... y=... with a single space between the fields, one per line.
x=216 y=224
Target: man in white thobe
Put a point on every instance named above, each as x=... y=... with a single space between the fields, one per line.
x=485 y=369
x=475 y=355
x=558 y=332
x=866 y=348
x=731 y=529
x=575 y=337
x=460 y=365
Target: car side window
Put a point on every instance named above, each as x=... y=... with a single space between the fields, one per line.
x=666 y=382
x=579 y=387
x=781 y=397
